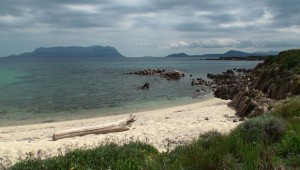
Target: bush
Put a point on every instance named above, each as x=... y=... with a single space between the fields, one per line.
x=288 y=109
x=289 y=146
x=265 y=128
x=204 y=153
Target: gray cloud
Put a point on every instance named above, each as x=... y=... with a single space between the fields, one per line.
x=161 y=26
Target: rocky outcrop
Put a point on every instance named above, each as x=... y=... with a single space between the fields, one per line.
x=276 y=84
x=169 y=75
x=230 y=83
x=227 y=84
x=250 y=103
x=173 y=75
x=253 y=91
x=150 y=71
x=277 y=78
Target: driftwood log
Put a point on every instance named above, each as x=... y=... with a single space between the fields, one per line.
x=118 y=126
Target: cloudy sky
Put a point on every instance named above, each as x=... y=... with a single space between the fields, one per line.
x=150 y=27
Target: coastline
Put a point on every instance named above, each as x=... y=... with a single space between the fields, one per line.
x=94 y=113
x=169 y=126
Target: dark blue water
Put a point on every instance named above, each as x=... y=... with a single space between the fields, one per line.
x=43 y=90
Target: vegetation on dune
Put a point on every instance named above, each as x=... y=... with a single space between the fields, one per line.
x=286 y=60
x=134 y=155
x=289 y=147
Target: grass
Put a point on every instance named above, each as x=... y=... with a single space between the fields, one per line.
x=289 y=147
x=269 y=141
x=110 y=156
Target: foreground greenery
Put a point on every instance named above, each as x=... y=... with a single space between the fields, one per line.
x=285 y=61
x=267 y=142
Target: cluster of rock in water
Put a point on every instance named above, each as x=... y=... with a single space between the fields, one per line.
x=169 y=75
x=236 y=85
x=251 y=91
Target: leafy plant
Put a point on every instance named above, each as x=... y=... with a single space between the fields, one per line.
x=266 y=128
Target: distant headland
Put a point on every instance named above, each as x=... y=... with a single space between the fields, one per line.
x=230 y=53
x=73 y=51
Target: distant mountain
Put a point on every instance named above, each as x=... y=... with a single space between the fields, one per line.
x=178 y=55
x=73 y=51
x=230 y=53
x=233 y=53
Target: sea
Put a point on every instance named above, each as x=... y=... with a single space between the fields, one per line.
x=41 y=90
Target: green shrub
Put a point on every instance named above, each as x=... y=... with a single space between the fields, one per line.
x=288 y=149
x=288 y=109
x=204 y=153
x=266 y=128
x=289 y=59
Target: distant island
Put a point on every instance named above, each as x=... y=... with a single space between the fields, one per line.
x=98 y=51
x=248 y=58
x=230 y=53
x=73 y=51
x=178 y=55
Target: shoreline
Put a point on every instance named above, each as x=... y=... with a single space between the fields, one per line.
x=174 y=125
x=93 y=113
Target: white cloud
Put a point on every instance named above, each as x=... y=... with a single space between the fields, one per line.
x=290 y=29
x=87 y=9
x=180 y=44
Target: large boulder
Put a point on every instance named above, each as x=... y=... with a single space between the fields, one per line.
x=173 y=75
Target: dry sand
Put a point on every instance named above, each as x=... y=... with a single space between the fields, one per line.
x=175 y=125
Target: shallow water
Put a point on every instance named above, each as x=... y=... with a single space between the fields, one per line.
x=53 y=89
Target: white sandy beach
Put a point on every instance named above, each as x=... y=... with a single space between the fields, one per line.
x=176 y=125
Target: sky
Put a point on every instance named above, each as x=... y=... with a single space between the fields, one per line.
x=150 y=27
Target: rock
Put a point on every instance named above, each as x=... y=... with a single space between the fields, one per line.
x=193 y=82
x=250 y=103
x=242 y=119
x=253 y=90
x=150 y=71
x=144 y=86
x=228 y=84
x=173 y=75
x=230 y=71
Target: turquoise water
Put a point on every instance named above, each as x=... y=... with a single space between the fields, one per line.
x=45 y=90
